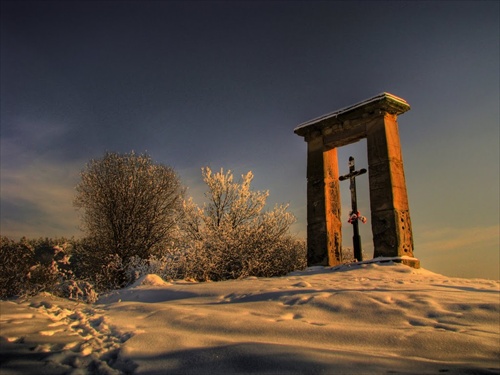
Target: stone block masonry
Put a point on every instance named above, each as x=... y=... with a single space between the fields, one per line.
x=376 y=120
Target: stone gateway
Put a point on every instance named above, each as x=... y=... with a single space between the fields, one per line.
x=376 y=120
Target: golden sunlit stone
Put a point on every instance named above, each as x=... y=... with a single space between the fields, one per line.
x=376 y=120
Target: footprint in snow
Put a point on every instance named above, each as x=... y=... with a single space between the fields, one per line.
x=302 y=284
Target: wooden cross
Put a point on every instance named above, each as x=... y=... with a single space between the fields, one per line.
x=356 y=239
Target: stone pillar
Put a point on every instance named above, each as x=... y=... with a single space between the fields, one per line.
x=333 y=207
x=390 y=217
x=324 y=239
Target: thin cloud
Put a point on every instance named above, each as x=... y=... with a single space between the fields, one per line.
x=450 y=239
x=45 y=190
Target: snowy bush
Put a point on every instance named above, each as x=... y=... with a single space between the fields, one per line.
x=139 y=225
x=130 y=205
x=17 y=258
x=78 y=290
x=32 y=266
x=109 y=271
x=232 y=237
x=95 y=264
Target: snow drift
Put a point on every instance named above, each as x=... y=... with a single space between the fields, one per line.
x=363 y=318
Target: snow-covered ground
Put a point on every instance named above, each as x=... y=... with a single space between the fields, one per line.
x=359 y=319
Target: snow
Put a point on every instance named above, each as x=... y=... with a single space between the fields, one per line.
x=151 y=280
x=374 y=318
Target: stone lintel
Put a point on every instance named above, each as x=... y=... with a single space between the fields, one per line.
x=343 y=118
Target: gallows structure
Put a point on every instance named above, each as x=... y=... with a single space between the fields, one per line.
x=376 y=120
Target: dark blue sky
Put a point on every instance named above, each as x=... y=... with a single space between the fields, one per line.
x=224 y=84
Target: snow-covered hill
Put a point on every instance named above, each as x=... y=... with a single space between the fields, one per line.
x=359 y=319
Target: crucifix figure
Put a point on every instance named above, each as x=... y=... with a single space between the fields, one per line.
x=354 y=217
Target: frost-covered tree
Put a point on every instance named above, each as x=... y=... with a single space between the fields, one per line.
x=130 y=205
x=232 y=236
